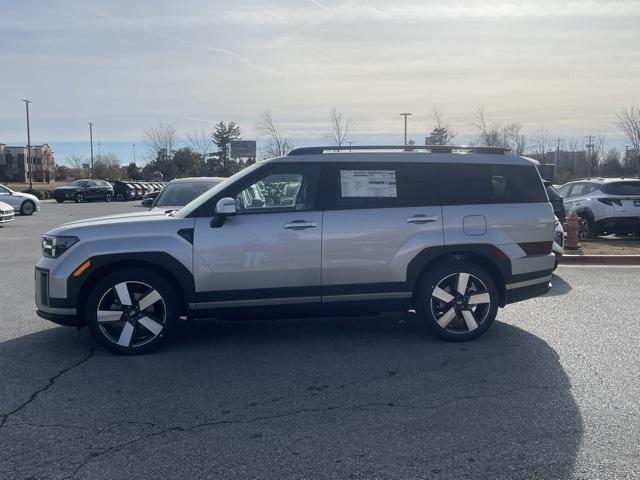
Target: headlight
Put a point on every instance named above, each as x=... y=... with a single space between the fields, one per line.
x=53 y=247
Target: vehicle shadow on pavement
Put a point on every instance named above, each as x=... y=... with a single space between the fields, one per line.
x=331 y=398
x=559 y=286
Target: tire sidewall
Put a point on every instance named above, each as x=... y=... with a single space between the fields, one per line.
x=152 y=279
x=432 y=277
x=79 y=198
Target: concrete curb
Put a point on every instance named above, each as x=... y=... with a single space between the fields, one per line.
x=600 y=260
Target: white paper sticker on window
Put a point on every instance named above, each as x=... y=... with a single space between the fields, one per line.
x=368 y=183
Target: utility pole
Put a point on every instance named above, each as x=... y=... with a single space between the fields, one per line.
x=405 y=115
x=557 y=159
x=99 y=156
x=589 y=154
x=91 y=140
x=27 y=102
x=350 y=143
x=134 y=152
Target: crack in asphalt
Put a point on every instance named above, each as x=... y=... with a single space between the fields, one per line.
x=182 y=429
x=50 y=382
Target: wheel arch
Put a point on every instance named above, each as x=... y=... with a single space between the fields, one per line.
x=159 y=262
x=488 y=257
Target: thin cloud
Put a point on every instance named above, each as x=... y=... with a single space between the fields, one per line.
x=220 y=51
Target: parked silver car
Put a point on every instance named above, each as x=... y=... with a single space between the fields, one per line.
x=451 y=232
x=23 y=203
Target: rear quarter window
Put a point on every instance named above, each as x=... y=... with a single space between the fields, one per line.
x=622 y=188
x=468 y=184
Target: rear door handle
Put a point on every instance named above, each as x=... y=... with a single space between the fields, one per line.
x=299 y=225
x=421 y=219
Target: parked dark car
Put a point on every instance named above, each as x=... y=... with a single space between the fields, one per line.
x=84 y=190
x=556 y=201
x=123 y=191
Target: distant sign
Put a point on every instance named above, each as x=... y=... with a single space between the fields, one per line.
x=243 y=149
x=85 y=166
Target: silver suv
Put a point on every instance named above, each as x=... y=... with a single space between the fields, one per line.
x=450 y=232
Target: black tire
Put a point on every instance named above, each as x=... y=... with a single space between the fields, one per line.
x=454 y=313
x=556 y=261
x=108 y=197
x=27 y=207
x=120 y=322
x=59 y=200
x=120 y=197
x=588 y=228
x=79 y=197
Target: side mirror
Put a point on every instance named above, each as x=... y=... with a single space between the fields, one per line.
x=226 y=206
x=146 y=203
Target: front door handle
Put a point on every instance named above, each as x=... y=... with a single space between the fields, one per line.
x=300 y=225
x=422 y=219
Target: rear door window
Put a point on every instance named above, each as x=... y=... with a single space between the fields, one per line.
x=469 y=184
x=577 y=190
x=380 y=185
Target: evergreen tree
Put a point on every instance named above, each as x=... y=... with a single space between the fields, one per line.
x=221 y=164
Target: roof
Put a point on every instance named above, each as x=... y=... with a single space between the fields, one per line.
x=603 y=179
x=413 y=156
x=198 y=180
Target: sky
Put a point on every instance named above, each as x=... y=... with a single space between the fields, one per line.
x=128 y=65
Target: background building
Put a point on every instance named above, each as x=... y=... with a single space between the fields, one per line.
x=14 y=166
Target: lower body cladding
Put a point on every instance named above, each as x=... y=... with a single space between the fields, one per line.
x=619 y=225
x=530 y=277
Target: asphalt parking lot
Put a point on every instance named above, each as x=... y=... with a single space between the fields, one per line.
x=551 y=391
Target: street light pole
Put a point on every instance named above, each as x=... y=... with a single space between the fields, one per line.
x=405 y=115
x=27 y=102
x=134 y=152
x=91 y=140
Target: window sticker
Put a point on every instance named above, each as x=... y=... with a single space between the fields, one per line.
x=368 y=183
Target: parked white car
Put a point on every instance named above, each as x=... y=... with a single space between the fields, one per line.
x=23 y=203
x=6 y=213
x=606 y=205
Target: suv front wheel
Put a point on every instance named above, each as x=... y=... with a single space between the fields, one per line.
x=458 y=301
x=132 y=311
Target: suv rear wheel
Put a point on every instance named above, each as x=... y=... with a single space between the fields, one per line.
x=132 y=311
x=457 y=300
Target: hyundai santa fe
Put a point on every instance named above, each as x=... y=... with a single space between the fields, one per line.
x=453 y=233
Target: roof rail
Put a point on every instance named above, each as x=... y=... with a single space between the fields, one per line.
x=405 y=148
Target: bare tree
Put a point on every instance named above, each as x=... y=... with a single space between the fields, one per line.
x=200 y=142
x=75 y=160
x=514 y=138
x=339 y=127
x=542 y=145
x=595 y=154
x=489 y=134
x=441 y=133
x=161 y=140
x=628 y=121
x=277 y=144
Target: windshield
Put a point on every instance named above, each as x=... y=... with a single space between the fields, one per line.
x=622 y=188
x=191 y=206
x=79 y=183
x=180 y=193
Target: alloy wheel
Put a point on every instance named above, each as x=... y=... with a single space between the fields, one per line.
x=131 y=314
x=460 y=303
x=27 y=208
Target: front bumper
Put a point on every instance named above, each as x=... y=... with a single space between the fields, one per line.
x=56 y=310
x=7 y=216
